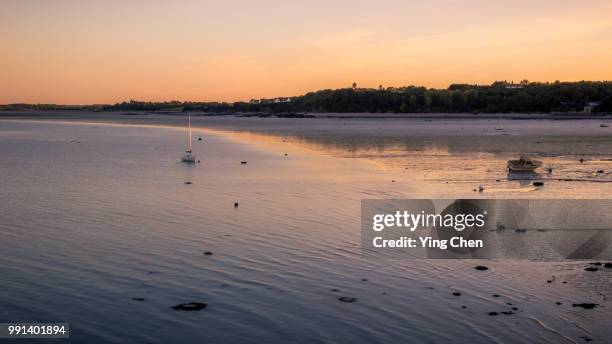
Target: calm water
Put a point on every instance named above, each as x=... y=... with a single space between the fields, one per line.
x=95 y=214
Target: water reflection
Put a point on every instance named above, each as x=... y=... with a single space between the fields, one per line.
x=451 y=162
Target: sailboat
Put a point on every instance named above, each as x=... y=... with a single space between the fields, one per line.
x=189 y=158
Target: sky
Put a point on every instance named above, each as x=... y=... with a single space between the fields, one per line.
x=92 y=52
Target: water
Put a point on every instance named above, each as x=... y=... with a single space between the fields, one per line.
x=95 y=214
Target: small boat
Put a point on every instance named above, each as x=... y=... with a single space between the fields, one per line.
x=189 y=158
x=523 y=164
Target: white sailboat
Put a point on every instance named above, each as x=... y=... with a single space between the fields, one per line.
x=189 y=157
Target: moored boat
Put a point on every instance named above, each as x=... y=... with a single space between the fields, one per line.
x=523 y=164
x=189 y=157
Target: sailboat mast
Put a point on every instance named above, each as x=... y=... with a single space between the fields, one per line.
x=189 y=132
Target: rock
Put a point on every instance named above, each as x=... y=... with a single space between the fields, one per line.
x=581 y=160
x=596 y=263
x=603 y=125
x=188 y=183
x=507 y=312
x=495 y=295
x=364 y=279
x=464 y=307
x=480 y=188
x=457 y=293
x=191 y=306
x=549 y=281
x=243 y=162
x=334 y=290
x=493 y=314
x=208 y=253
x=199 y=139
x=591 y=269
x=235 y=204
x=559 y=303
x=138 y=299
x=585 y=305
x=347 y=299
x=586 y=339
x=481 y=268
x=514 y=309
x=538 y=183
x=600 y=171
x=608 y=265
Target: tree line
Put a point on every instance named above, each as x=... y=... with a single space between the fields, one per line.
x=499 y=97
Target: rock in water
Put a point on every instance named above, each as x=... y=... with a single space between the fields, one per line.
x=191 y=306
x=347 y=299
x=585 y=305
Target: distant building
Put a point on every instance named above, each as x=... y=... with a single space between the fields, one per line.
x=590 y=106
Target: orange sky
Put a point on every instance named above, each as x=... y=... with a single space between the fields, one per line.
x=76 y=52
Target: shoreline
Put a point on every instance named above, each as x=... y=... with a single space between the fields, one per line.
x=309 y=115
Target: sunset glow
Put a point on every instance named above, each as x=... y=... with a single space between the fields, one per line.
x=75 y=52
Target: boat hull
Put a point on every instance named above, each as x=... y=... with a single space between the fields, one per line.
x=517 y=166
x=188 y=159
